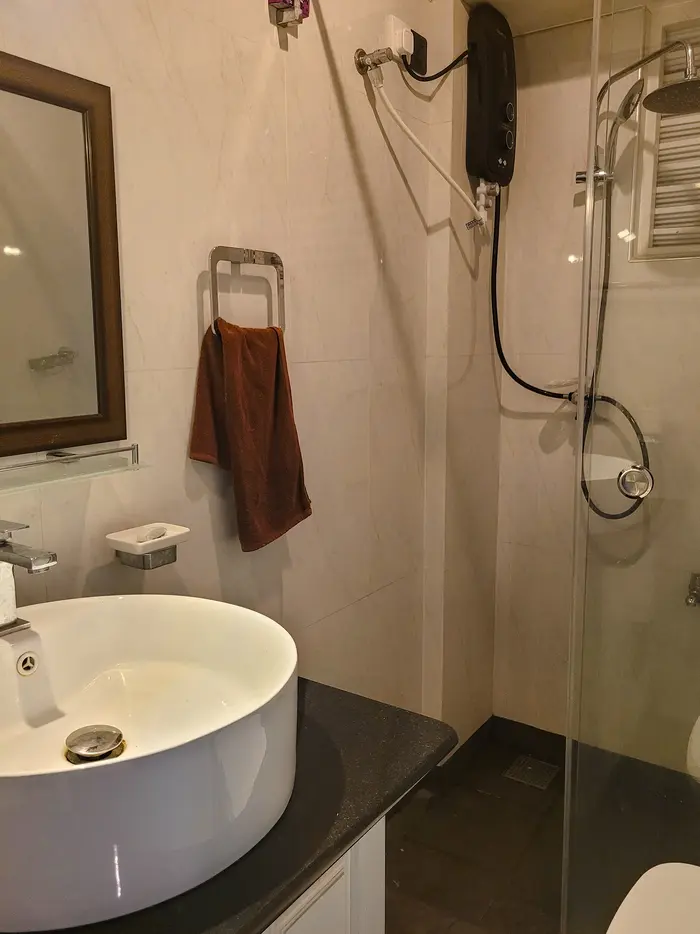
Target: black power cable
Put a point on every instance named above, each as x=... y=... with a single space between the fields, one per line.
x=439 y=74
x=568 y=396
x=591 y=399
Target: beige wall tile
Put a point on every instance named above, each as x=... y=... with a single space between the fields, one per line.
x=227 y=135
x=372 y=647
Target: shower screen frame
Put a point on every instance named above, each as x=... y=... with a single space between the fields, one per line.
x=590 y=293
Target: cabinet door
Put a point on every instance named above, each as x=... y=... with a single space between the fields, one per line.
x=324 y=909
x=347 y=899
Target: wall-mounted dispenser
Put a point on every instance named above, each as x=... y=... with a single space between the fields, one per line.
x=289 y=12
x=491 y=96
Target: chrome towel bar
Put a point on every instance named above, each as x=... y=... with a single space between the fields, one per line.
x=239 y=256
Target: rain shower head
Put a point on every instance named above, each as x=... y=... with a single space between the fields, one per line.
x=681 y=97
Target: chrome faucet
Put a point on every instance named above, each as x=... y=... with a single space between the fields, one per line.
x=33 y=560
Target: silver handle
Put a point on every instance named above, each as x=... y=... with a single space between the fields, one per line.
x=599 y=176
x=7 y=528
x=635 y=482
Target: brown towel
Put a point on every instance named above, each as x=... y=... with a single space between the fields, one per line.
x=244 y=422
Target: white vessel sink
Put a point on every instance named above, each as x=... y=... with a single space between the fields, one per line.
x=205 y=694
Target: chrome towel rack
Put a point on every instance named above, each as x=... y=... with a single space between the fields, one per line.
x=238 y=256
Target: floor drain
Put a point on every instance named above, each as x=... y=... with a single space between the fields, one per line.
x=27 y=664
x=533 y=772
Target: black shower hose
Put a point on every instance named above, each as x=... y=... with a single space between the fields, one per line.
x=593 y=397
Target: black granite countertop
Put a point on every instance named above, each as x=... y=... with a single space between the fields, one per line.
x=356 y=758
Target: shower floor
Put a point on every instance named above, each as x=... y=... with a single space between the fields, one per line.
x=474 y=852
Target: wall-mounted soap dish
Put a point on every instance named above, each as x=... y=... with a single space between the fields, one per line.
x=149 y=546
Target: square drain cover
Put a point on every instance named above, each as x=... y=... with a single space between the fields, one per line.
x=530 y=771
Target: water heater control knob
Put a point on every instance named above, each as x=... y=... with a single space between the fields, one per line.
x=510 y=111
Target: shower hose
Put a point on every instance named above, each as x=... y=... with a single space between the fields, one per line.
x=593 y=396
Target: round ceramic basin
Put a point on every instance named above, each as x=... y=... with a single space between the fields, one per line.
x=205 y=695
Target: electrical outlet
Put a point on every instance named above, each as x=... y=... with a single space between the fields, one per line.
x=419 y=59
x=398 y=37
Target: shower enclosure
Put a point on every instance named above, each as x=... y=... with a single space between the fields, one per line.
x=633 y=797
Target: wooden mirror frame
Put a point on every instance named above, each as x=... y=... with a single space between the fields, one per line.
x=94 y=102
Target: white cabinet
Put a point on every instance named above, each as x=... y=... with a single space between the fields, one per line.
x=347 y=899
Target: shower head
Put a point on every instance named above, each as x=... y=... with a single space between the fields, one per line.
x=677 y=99
x=630 y=102
x=683 y=97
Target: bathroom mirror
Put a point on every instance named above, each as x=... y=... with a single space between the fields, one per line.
x=61 y=356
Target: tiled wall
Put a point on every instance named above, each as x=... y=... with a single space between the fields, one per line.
x=540 y=314
x=228 y=134
x=461 y=496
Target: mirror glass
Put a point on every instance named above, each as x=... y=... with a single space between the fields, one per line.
x=47 y=340
x=61 y=347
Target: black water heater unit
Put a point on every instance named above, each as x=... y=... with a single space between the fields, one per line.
x=491 y=96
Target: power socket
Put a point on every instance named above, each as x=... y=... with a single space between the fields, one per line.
x=419 y=59
x=398 y=36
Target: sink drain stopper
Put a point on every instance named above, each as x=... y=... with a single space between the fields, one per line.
x=94 y=743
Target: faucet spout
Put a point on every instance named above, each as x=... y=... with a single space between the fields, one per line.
x=33 y=560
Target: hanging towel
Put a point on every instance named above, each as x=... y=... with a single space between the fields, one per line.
x=244 y=423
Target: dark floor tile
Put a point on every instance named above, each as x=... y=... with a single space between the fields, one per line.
x=410 y=812
x=538 y=876
x=477 y=826
x=539 y=743
x=447 y=885
x=518 y=917
x=488 y=775
x=628 y=817
x=406 y=915
x=485 y=774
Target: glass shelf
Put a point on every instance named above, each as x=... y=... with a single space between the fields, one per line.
x=59 y=466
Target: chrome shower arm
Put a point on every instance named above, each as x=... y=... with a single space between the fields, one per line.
x=640 y=63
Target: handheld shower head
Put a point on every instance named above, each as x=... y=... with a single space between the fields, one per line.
x=630 y=102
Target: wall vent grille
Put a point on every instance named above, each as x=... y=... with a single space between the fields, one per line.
x=675 y=216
